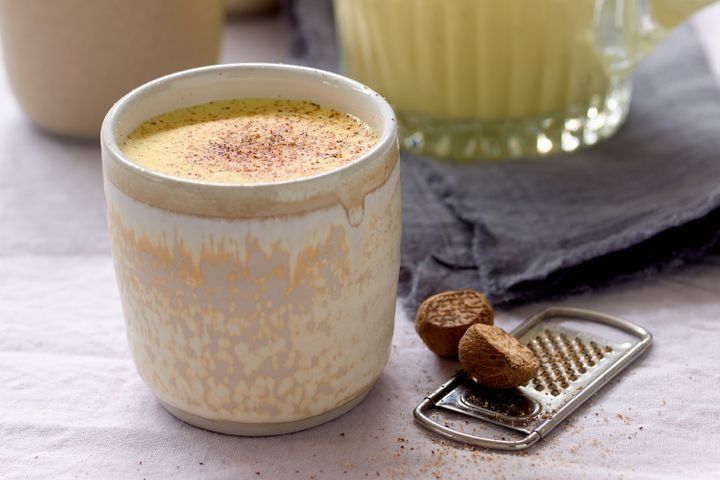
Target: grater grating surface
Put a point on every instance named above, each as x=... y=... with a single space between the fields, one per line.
x=573 y=365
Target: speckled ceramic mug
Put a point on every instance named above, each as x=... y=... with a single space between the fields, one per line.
x=256 y=309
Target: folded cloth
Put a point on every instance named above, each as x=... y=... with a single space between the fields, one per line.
x=521 y=230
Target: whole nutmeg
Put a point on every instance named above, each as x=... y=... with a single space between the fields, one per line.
x=495 y=358
x=442 y=319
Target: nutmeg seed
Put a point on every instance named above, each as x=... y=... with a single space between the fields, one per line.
x=495 y=358
x=442 y=319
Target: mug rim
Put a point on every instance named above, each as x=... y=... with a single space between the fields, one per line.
x=108 y=138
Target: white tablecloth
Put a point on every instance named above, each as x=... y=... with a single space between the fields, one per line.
x=72 y=406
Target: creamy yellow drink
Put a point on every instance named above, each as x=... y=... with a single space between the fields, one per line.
x=473 y=58
x=248 y=141
x=493 y=78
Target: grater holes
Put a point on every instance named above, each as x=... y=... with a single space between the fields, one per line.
x=599 y=352
x=585 y=354
x=562 y=368
x=555 y=368
x=563 y=360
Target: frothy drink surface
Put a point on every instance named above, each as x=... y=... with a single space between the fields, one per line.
x=248 y=141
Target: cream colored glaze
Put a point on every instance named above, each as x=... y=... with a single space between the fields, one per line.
x=237 y=319
x=248 y=141
x=487 y=59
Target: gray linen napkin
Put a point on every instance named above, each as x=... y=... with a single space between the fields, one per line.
x=520 y=230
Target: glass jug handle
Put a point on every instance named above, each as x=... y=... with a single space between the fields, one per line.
x=624 y=32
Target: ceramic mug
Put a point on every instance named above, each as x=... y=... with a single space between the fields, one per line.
x=256 y=309
x=69 y=60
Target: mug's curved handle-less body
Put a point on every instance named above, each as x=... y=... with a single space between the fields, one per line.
x=574 y=365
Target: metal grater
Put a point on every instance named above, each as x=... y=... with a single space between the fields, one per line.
x=573 y=366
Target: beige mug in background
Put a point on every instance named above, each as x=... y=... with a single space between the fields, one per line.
x=263 y=308
x=69 y=60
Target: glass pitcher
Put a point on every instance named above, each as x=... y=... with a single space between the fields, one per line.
x=489 y=79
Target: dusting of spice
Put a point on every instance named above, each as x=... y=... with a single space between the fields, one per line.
x=249 y=141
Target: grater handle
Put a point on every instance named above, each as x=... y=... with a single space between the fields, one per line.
x=423 y=418
x=589 y=315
